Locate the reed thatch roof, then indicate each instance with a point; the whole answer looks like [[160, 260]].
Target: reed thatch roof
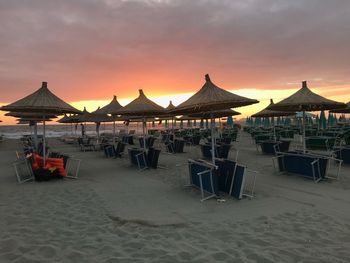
[[306, 100], [30, 115], [42, 100], [211, 98], [35, 119], [69, 119], [170, 106], [344, 110], [216, 114], [141, 106], [272, 113], [186, 118], [111, 108], [94, 117]]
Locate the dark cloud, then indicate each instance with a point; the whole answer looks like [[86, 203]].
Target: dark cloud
[[82, 46]]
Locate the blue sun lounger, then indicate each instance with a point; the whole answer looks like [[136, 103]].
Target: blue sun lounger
[[308, 165], [225, 176]]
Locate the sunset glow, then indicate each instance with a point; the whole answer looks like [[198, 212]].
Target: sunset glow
[[90, 51]]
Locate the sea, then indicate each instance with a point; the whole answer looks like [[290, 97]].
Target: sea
[[58, 130]]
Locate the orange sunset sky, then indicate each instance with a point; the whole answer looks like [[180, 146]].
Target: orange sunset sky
[[90, 50]]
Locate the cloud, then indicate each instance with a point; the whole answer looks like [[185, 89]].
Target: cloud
[[90, 49]]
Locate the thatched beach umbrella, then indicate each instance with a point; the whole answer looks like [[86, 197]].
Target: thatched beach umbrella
[[306, 100], [144, 107], [95, 117], [112, 109], [44, 102], [34, 117], [71, 119], [169, 117], [211, 98], [272, 113], [344, 110], [216, 114]]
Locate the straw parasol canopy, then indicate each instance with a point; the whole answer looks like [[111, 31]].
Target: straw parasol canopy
[[42, 100], [94, 117], [216, 114], [69, 119], [170, 106], [344, 110], [187, 118], [141, 106], [112, 108], [34, 119], [271, 113], [29, 115], [211, 98], [306, 100]]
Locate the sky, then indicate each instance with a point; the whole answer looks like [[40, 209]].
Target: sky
[[90, 50]]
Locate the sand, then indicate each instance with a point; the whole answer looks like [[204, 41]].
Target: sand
[[114, 213]]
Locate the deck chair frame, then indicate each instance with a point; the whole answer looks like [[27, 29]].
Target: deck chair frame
[[209, 171], [23, 170]]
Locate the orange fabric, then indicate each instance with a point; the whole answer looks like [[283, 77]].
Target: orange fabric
[[50, 163], [35, 166], [57, 163]]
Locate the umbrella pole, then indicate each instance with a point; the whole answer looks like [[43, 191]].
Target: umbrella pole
[[98, 131], [113, 132], [44, 142], [172, 126], [274, 128], [36, 135], [143, 132], [212, 138], [304, 142]]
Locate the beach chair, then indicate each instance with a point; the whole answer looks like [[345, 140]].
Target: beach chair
[[86, 146], [149, 142], [235, 179], [343, 153], [23, 170], [71, 165], [153, 157], [202, 176], [308, 165], [138, 157]]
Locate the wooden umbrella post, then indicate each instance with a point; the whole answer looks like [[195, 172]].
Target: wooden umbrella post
[[44, 142], [212, 137]]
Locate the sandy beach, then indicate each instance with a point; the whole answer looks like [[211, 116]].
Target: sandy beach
[[115, 213]]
